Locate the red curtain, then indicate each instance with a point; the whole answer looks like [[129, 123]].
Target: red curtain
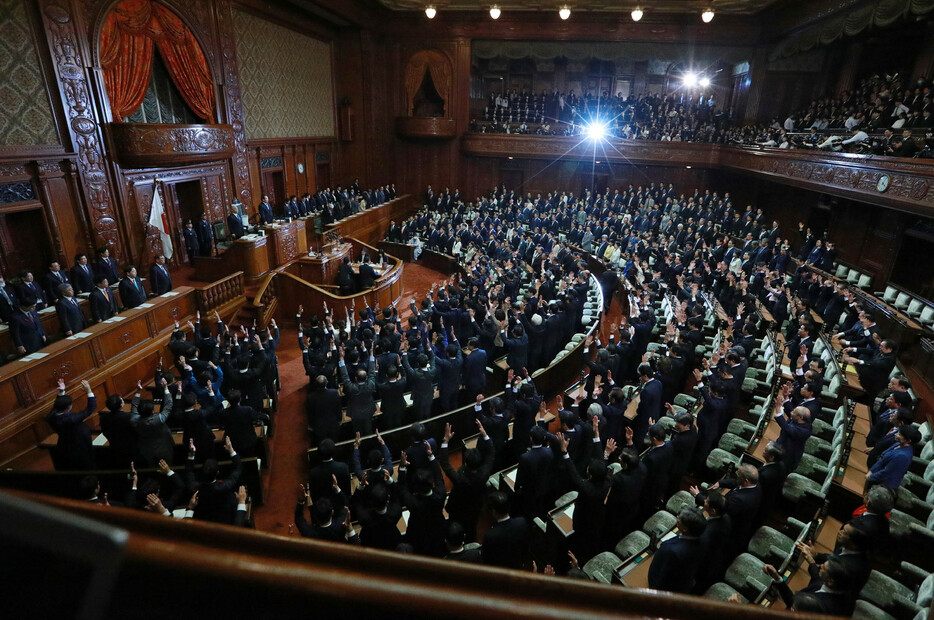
[[126, 58]]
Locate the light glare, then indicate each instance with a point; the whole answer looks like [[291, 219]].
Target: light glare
[[707, 16], [704, 82], [689, 79], [564, 13], [636, 14], [495, 12], [430, 12], [595, 131]]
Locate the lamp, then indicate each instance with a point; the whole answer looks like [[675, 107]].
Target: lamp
[[495, 12], [704, 82], [430, 12], [564, 12], [636, 14], [707, 16]]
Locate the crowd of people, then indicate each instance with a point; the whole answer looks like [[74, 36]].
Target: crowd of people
[[331, 205], [654, 245], [884, 115], [219, 378], [677, 118], [521, 295], [100, 283]]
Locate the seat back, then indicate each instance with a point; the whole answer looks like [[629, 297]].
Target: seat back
[[902, 300]]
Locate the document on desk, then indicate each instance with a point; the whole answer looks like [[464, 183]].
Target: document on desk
[[115, 319], [169, 294], [100, 440], [144, 306]]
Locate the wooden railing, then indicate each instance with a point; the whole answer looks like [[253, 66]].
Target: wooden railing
[[219, 294], [285, 576]]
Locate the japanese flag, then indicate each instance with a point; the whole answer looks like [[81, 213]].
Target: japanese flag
[[158, 220]]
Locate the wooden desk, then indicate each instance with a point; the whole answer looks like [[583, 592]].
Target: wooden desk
[[370, 226], [248, 254], [321, 268], [402, 251], [50, 323], [286, 241]]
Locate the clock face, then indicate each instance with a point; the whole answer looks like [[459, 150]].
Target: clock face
[[301, 168], [883, 183]]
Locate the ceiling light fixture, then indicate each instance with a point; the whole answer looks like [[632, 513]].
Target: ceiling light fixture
[[636, 14], [689, 79], [704, 82], [564, 12], [707, 16], [430, 12], [495, 12]]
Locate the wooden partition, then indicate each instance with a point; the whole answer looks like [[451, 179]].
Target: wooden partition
[[288, 576]]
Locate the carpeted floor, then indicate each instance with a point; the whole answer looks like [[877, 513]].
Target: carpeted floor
[[288, 467]]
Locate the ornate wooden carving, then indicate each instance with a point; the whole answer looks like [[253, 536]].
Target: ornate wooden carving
[[228, 52], [144, 145], [70, 68], [427, 128]]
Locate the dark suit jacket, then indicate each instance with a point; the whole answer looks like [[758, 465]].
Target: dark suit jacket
[[533, 480], [81, 280], [102, 308], [132, 293], [742, 504], [70, 315], [160, 281], [474, 371], [107, 268], [52, 282], [320, 483], [658, 461], [234, 225], [27, 331], [792, 439], [238, 423], [506, 543], [74, 449], [674, 564], [120, 431], [7, 307]]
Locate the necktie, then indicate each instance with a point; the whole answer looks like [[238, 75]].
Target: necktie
[[85, 268], [106, 294], [136, 284], [5, 296]]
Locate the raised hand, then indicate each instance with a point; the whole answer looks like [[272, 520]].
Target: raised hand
[[61, 385], [448, 433]]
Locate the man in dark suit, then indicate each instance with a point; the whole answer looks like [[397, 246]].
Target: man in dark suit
[[160, 280], [873, 372], [457, 552], [70, 314], [772, 476], [216, 499], [506, 542], [234, 224], [468, 484], [118, 427], [829, 592], [29, 288], [715, 541], [132, 293], [321, 478], [345, 277], [360, 393], [683, 443], [265, 211], [421, 378], [742, 504], [590, 505], [379, 520], [392, 398], [474, 369], [533, 475], [106, 266], [55, 277], [7, 301], [103, 304], [74, 450], [239, 422], [424, 497], [367, 274], [82, 276], [650, 404], [675, 563], [26, 328], [323, 410], [794, 434], [192, 244], [658, 460], [205, 235]]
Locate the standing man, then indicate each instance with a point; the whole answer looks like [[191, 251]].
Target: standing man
[[106, 266], [132, 293], [205, 235], [26, 327], [192, 244], [103, 304], [53, 280], [160, 280], [7, 301], [70, 314], [265, 211], [82, 276], [74, 450], [234, 224]]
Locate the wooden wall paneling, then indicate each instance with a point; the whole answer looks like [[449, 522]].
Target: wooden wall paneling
[[71, 61]]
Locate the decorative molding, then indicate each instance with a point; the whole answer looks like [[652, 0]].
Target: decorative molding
[[426, 128], [142, 145], [64, 44], [232, 96], [911, 186]]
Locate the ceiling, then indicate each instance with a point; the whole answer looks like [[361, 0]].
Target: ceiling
[[734, 7]]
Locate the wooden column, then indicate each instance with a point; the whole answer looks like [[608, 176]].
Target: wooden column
[[847, 76], [757, 70]]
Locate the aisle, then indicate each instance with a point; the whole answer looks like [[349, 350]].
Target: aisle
[[288, 466]]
